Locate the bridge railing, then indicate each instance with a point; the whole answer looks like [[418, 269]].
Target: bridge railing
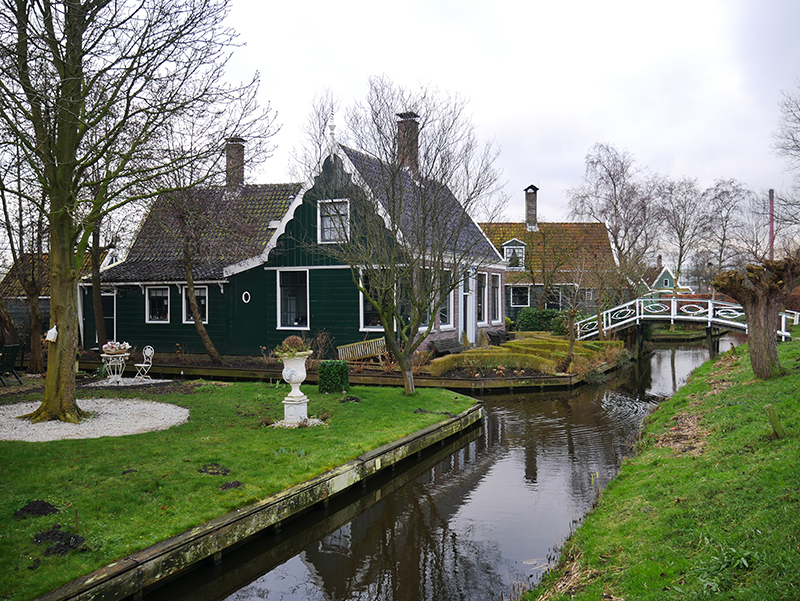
[[710, 312]]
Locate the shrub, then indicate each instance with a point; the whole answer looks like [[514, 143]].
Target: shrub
[[531, 319], [334, 376]]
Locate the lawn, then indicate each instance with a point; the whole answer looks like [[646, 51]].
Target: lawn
[[709, 508], [126, 493]]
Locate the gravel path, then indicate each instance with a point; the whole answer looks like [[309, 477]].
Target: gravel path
[[112, 417]]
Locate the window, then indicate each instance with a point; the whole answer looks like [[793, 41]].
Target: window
[[515, 255], [589, 295], [496, 297], [520, 296], [293, 300], [446, 310], [481, 297], [666, 283], [333, 217], [370, 319], [201, 295], [157, 310]]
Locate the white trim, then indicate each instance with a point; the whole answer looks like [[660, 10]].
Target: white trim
[[278, 325], [485, 299], [497, 303], [185, 304], [147, 305], [450, 304], [309, 267], [345, 215], [262, 258]]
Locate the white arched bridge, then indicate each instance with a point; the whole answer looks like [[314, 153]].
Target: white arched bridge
[[712, 313]]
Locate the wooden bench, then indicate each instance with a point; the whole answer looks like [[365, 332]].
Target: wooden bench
[[447, 346], [362, 350]]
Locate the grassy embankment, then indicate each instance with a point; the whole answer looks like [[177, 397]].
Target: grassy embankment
[[127, 493], [709, 507]]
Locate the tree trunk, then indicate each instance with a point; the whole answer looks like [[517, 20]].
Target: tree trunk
[[36, 366], [216, 359], [58, 402], [10, 334], [97, 293], [762, 290]]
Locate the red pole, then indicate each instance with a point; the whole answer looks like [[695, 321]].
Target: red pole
[[771, 224]]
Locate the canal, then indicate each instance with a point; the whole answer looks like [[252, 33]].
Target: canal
[[473, 519]]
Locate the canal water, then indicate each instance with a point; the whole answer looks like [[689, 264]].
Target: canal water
[[471, 520]]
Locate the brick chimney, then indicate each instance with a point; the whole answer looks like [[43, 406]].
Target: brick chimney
[[234, 163], [530, 208], [408, 141]]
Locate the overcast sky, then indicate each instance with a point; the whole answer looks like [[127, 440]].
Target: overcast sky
[[690, 88]]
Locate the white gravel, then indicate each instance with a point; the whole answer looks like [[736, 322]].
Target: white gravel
[[111, 417]]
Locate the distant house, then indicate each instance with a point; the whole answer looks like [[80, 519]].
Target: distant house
[[14, 295], [550, 264], [281, 282], [661, 279]]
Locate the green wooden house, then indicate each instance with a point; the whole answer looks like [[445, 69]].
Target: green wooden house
[[278, 279]]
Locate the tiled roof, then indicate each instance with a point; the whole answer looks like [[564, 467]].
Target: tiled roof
[[555, 246], [418, 213], [154, 256], [10, 286]]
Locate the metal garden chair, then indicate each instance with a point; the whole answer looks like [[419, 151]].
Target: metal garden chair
[[144, 367]]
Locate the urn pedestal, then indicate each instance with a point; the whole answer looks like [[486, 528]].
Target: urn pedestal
[[295, 404]]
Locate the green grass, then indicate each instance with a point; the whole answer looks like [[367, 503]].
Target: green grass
[[121, 513], [722, 522]]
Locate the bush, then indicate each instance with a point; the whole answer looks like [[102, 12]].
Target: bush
[[531, 319], [334, 376]]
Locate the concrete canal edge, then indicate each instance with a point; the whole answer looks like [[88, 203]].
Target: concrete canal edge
[[132, 574]]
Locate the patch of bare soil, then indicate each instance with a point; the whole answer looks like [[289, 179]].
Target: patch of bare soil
[[686, 436]]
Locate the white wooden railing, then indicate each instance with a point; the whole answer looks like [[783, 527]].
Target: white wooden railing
[[712, 313]]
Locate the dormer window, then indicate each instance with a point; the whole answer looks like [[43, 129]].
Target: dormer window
[[333, 219], [515, 255]]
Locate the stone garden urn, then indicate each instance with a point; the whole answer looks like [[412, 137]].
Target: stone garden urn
[[295, 404]]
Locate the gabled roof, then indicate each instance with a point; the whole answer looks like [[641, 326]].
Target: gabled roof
[[450, 214], [10, 286], [653, 277], [155, 257], [553, 246]]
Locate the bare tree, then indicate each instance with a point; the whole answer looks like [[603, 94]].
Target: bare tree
[[618, 193], [727, 199], [27, 236], [412, 240], [135, 69], [685, 216]]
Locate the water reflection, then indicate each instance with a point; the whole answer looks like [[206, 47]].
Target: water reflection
[[467, 522]]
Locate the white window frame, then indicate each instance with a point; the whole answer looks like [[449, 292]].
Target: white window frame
[[482, 298], [185, 304], [588, 295], [307, 326], [449, 303], [361, 301], [512, 296], [346, 216], [666, 283], [509, 250], [495, 294], [147, 304]]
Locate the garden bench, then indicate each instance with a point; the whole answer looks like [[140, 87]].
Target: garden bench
[[447, 346], [362, 350]]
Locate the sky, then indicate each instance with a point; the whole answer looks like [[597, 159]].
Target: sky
[[689, 88]]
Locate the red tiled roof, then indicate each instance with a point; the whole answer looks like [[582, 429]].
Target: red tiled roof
[[555, 247]]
